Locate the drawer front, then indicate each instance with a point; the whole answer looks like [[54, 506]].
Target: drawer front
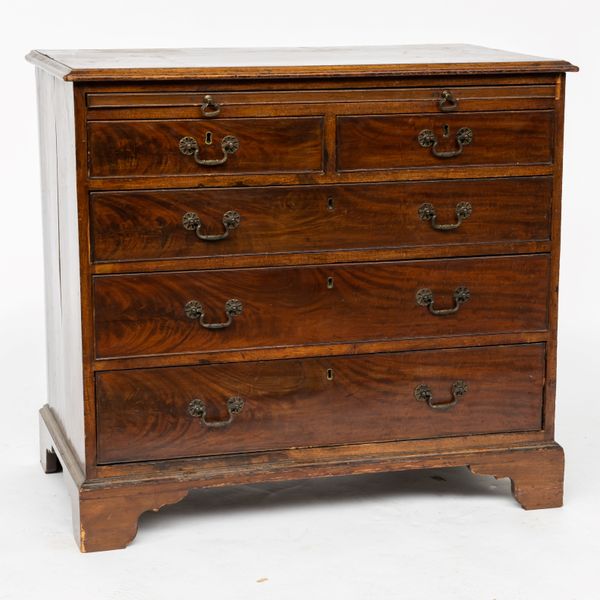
[[155, 414], [456, 139], [155, 148], [216, 104], [153, 314], [175, 224]]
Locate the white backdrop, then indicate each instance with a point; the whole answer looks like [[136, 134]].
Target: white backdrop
[[396, 535]]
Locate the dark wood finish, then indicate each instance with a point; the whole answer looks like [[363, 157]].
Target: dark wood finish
[[188, 105], [143, 414], [208, 357], [148, 225], [536, 482], [550, 391], [391, 142], [220, 261], [144, 314], [215, 179], [130, 148], [429, 97], [105, 516], [123, 356], [110, 522], [295, 86]]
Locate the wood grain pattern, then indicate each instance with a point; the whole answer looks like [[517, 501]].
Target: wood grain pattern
[[105, 511], [144, 314], [365, 82], [148, 225], [536, 482], [187, 105], [121, 269], [111, 522], [131, 148], [391, 142], [142, 415], [551, 364], [476, 96], [208, 357], [194, 263], [155, 182], [211, 63]]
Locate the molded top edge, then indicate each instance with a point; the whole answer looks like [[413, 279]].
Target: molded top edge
[[215, 63]]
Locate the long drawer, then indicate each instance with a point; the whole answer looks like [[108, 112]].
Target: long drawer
[[240, 221], [233, 309], [154, 414]]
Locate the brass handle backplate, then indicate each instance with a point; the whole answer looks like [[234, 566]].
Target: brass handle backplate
[[423, 393], [427, 139], [447, 101], [427, 212], [197, 409], [195, 311], [231, 220], [208, 104], [190, 147], [425, 298]]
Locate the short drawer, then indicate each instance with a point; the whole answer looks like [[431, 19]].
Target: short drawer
[[242, 221], [233, 309], [156, 414], [455, 139], [196, 147]]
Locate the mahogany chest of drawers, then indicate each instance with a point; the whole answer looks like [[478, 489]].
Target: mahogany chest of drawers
[[268, 265]]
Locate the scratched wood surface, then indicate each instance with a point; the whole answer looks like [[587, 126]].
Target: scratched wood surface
[[143, 414], [144, 314], [327, 259], [149, 225], [209, 63]]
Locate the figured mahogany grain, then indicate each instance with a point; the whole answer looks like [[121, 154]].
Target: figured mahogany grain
[[113, 133], [391, 142], [144, 314], [143, 414], [270, 145], [106, 511], [148, 225]]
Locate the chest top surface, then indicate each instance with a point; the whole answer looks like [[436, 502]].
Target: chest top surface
[[212, 63]]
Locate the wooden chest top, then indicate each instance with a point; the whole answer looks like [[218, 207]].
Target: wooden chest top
[[214, 63]]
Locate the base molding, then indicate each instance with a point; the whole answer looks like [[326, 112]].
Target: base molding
[[106, 511]]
